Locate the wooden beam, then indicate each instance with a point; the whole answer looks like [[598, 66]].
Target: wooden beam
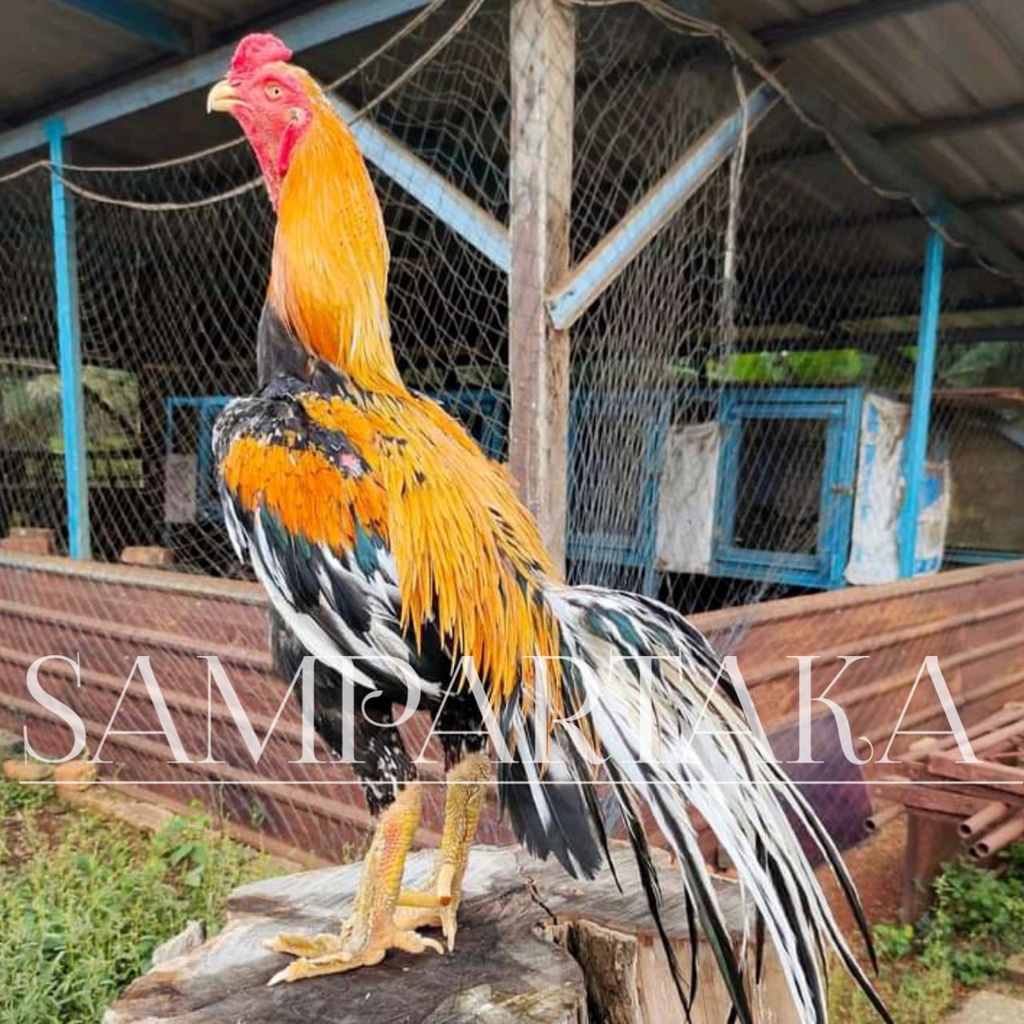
[[839, 19], [543, 63], [574, 295]]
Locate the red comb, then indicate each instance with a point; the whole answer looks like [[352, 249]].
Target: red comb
[[256, 50]]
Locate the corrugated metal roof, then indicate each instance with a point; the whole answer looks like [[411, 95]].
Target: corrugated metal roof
[[51, 52], [952, 58], [48, 50]]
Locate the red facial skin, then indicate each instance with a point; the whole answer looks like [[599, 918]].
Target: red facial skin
[[273, 107]]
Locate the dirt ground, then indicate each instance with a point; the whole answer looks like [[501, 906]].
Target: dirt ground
[[877, 869]]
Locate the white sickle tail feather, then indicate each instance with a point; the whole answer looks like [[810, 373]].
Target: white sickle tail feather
[[650, 699]]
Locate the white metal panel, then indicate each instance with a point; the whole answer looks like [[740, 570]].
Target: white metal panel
[[874, 550], [874, 545], [686, 509]]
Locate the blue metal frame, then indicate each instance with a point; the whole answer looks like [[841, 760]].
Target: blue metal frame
[[168, 33], [639, 549], [840, 408], [456, 210], [636, 550], [979, 556], [208, 407], [76, 470], [916, 446]]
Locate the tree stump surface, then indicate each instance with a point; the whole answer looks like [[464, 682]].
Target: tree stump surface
[[534, 947]]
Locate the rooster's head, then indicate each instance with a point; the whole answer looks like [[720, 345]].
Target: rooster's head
[[273, 101]]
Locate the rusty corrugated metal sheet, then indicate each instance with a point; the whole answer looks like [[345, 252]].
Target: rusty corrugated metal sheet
[[946, 59], [972, 619]]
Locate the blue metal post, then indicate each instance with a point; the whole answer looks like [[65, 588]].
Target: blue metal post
[[916, 446], [69, 342]]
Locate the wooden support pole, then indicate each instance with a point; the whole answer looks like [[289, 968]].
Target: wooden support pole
[[543, 68], [931, 841]]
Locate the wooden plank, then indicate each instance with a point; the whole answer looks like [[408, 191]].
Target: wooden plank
[[543, 82], [933, 799], [987, 774]]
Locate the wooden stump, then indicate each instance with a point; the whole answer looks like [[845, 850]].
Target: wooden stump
[[533, 946]]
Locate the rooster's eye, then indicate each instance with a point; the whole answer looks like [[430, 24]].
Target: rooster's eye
[[274, 92]]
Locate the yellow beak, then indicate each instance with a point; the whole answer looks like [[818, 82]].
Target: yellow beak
[[223, 97]]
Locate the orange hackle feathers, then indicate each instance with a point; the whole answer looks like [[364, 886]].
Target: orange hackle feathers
[[329, 272], [467, 554]]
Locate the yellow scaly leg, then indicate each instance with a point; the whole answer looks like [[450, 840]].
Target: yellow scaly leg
[[373, 928], [439, 906]]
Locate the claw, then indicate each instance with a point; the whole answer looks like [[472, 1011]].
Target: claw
[[412, 942]]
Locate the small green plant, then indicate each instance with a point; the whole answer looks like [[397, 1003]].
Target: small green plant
[[978, 917], [84, 901], [893, 941], [976, 921], [16, 798]]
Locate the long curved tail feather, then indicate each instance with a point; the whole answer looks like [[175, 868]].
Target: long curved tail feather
[[644, 694]]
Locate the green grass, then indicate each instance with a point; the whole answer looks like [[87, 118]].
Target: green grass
[[976, 922], [85, 901]]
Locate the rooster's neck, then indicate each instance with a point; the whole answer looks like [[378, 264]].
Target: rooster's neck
[[328, 277]]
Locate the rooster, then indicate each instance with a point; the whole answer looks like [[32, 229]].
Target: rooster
[[383, 535]]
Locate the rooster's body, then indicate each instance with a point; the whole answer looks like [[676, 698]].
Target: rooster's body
[[385, 537]]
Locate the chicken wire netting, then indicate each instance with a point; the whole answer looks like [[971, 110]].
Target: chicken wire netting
[[720, 396]]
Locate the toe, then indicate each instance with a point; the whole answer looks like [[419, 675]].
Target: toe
[[297, 944], [413, 942], [414, 918], [417, 898]]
